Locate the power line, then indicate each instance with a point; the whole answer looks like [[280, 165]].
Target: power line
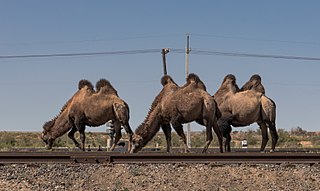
[[220, 53], [237, 54], [81, 54], [255, 39], [101, 40], [148, 51]]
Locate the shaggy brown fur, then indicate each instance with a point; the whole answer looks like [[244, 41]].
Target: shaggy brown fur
[[254, 83], [176, 106], [83, 83], [244, 108], [195, 81], [97, 108], [108, 88]]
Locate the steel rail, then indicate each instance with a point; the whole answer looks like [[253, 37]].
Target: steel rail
[[158, 157]]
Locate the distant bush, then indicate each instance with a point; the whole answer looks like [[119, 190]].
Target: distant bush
[[287, 139]]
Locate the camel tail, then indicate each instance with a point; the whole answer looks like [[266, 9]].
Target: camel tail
[[269, 109]]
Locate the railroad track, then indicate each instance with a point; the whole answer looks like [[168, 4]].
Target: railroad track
[[101, 157]]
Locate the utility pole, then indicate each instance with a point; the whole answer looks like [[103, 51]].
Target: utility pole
[[187, 73], [164, 52]]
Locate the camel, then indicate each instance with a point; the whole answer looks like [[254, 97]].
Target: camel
[[60, 124], [116, 110], [177, 105], [242, 108], [254, 83], [97, 108]]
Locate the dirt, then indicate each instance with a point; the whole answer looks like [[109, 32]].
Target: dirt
[[97, 177]]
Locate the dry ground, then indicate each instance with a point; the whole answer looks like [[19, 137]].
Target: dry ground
[[185, 177]]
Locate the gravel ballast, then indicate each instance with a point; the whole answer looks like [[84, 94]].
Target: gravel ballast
[[99, 177]]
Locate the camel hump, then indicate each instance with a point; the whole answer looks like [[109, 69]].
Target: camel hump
[[254, 83], [82, 83], [102, 83], [268, 108], [122, 111], [256, 77], [106, 86], [229, 77], [195, 78], [166, 79]]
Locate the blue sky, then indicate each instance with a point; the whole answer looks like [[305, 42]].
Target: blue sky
[[33, 90]]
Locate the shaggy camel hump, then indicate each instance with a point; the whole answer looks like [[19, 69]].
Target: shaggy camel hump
[[104, 86], [194, 79], [254, 83], [82, 83], [228, 85]]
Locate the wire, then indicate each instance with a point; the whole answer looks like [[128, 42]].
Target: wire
[[82, 54], [255, 39], [205, 52], [147, 51]]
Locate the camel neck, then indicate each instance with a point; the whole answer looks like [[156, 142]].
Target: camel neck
[[150, 126]]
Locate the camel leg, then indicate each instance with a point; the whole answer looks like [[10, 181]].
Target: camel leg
[[219, 135], [127, 128], [71, 136], [166, 128], [117, 128], [178, 127], [81, 128], [274, 136], [209, 138], [225, 128], [265, 138], [82, 136], [227, 143]]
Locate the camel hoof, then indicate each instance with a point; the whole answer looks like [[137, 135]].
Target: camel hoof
[[48, 147], [204, 150]]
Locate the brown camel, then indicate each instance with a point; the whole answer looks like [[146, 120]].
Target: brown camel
[[244, 108], [177, 105], [97, 108], [254, 83], [60, 125]]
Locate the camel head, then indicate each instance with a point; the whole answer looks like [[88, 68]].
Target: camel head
[[137, 143], [46, 135]]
